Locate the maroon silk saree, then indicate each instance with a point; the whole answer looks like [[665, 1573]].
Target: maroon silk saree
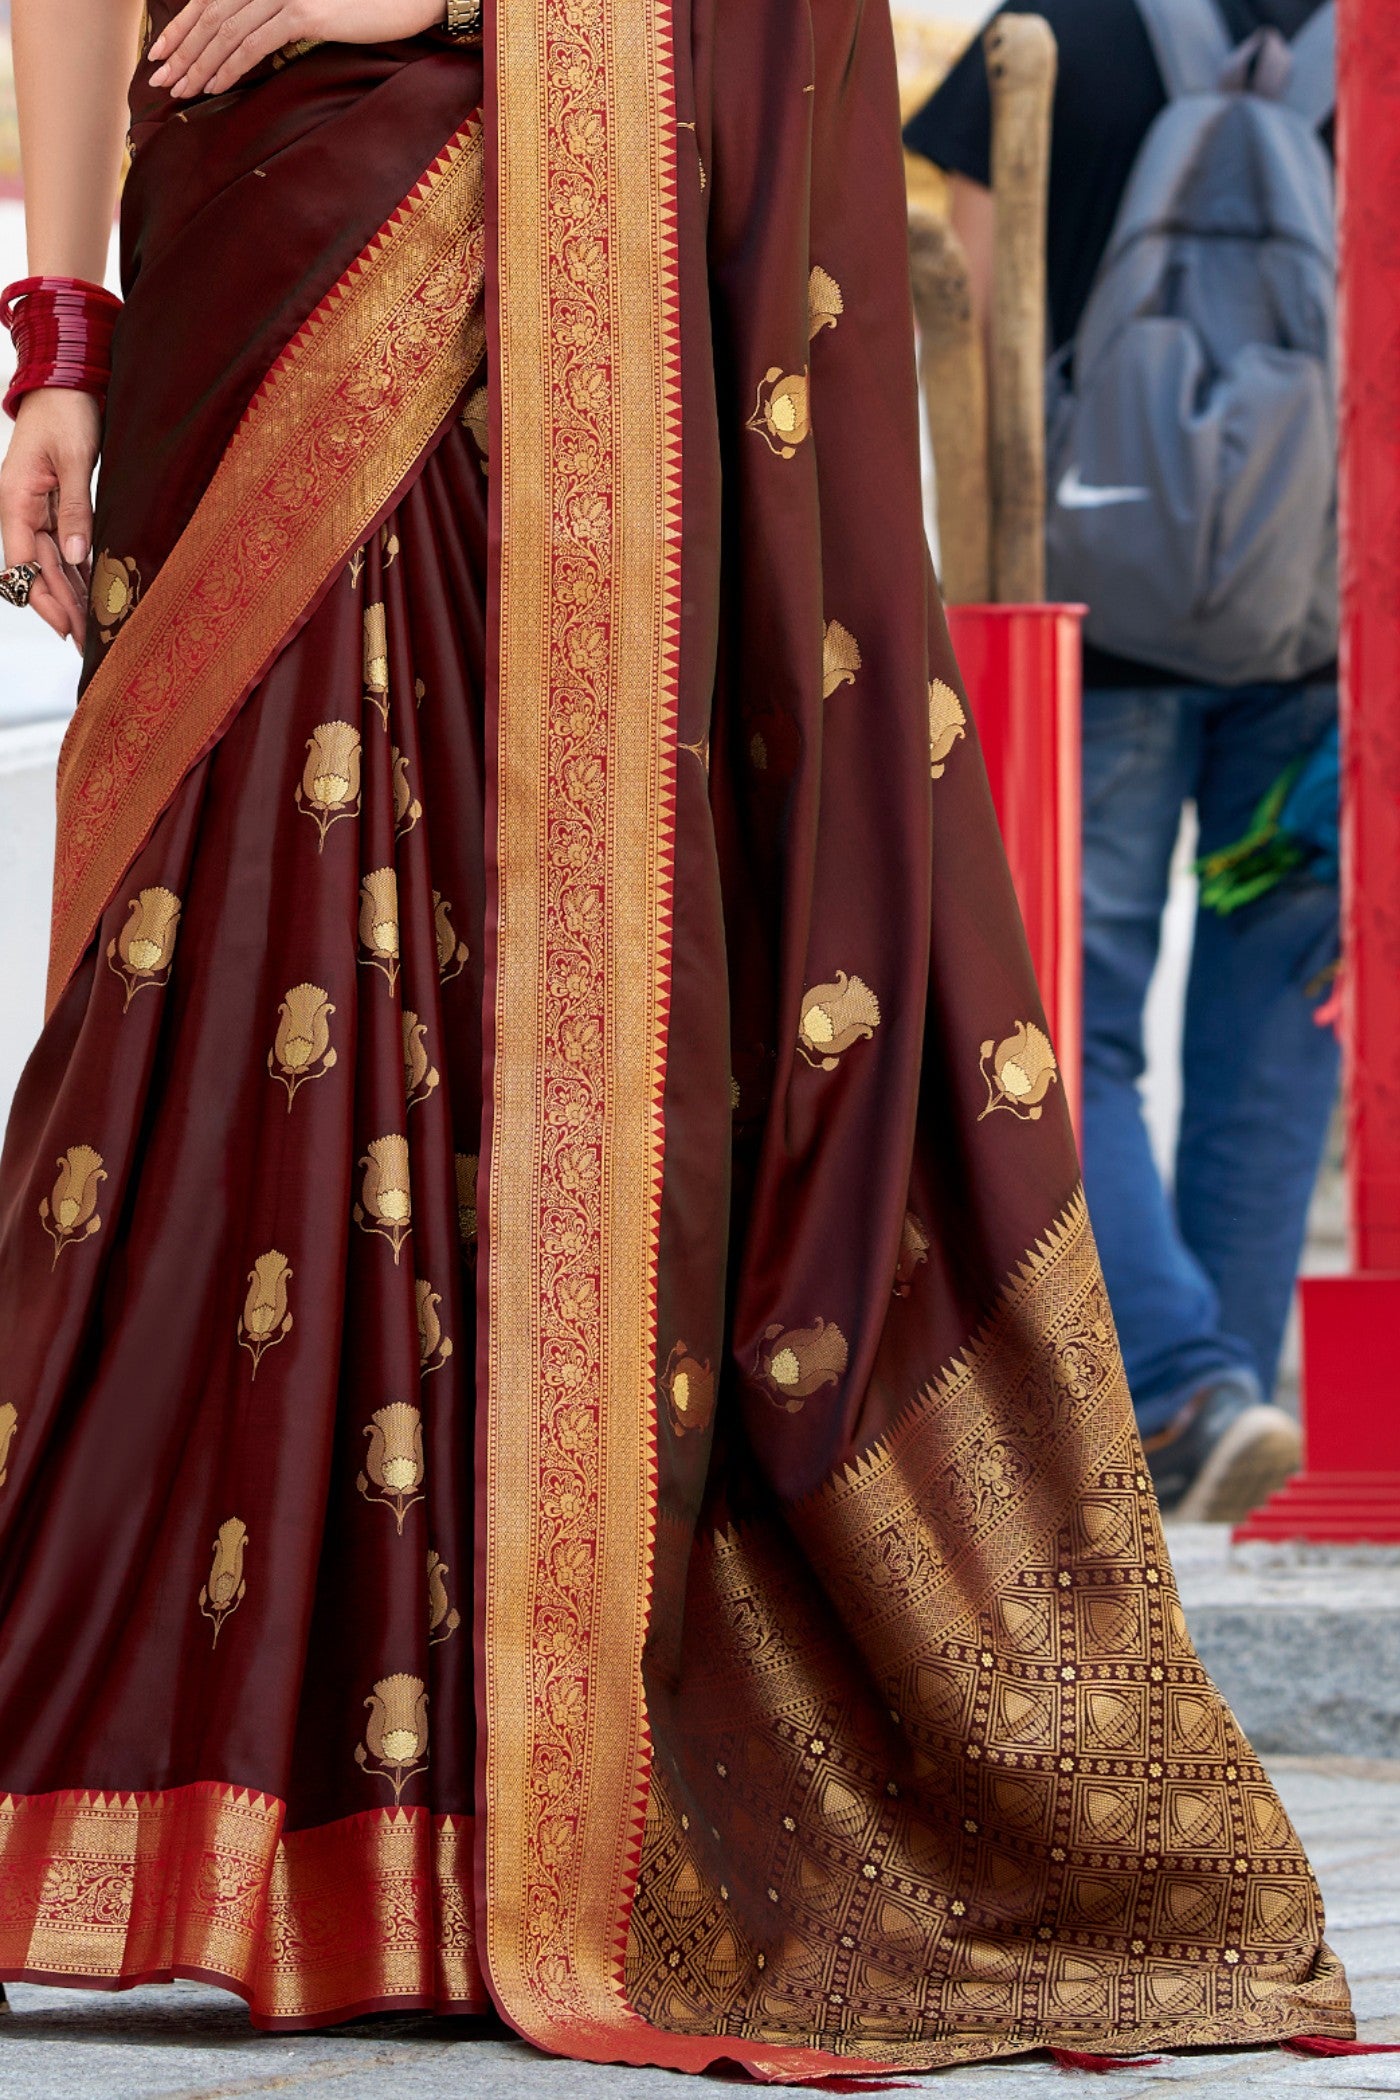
[[561, 1440]]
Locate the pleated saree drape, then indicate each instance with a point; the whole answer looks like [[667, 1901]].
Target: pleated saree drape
[[563, 1441]]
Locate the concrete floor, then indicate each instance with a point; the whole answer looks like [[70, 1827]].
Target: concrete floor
[[185, 2042]]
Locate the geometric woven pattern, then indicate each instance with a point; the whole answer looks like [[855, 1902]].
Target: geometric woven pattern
[[1031, 1818]]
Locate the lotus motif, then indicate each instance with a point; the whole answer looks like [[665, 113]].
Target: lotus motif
[[70, 1212], [1019, 1072], [144, 950], [396, 1735]]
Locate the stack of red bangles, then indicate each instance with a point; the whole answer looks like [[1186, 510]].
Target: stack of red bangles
[[62, 329]]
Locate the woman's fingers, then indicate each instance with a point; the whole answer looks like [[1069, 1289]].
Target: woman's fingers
[[173, 36], [74, 509], [213, 38], [22, 512], [55, 595], [259, 43], [46, 497]]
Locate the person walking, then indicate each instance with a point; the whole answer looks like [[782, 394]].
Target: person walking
[[1215, 690]]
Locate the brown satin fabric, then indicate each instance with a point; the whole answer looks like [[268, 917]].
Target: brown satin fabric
[[938, 1774], [929, 1736], [238, 215]]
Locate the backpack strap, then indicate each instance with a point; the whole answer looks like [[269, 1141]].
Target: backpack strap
[[1190, 42], [1312, 85]]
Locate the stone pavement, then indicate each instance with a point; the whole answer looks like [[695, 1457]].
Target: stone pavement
[[1303, 1641], [185, 2042]]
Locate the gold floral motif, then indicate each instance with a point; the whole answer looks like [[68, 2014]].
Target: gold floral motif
[[840, 657], [782, 417], [144, 951], [379, 922], [1019, 1072], [225, 1590], [70, 1213], [329, 787], [9, 1423], [825, 305], [419, 1076], [313, 461], [396, 1735], [834, 1016], [357, 566], [476, 417], [420, 692], [689, 1389], [947, 721], [114, 591], [265, 1320], [407, 808], [451, 953], [913, 1253], [443, 1616], [386, 1203], [394, 1465], [297, 48], [377, 661], [466, 1198], [388, 545], [301, 1048], [795, 1362], [434, 1347]]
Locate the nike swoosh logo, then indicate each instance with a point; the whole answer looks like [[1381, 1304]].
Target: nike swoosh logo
[[1074, 494]]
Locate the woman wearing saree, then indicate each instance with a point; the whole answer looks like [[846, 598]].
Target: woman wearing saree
[[564, 1447]]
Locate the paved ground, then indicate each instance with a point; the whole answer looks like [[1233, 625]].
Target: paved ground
[[1303, 1641], [188, 2043]]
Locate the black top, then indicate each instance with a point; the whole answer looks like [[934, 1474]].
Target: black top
[[1108, 93]]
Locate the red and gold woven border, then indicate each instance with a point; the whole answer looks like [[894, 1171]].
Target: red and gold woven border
[[119, 1889], [332, 432], [588, 528]]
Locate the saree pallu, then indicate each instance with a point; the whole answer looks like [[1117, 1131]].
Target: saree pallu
[[562, 1440]]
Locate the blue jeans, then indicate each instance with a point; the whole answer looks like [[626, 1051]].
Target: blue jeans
[[1201, 1279]]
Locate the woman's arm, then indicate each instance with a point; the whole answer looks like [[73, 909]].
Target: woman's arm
[[73, 63]]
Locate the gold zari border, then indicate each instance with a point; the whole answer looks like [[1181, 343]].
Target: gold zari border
[[1065, 1842], [202, 1881], [588, 590], [330, 435]]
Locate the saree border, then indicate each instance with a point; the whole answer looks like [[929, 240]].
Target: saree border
[[111, 1890], [587, 543], [331, 434]]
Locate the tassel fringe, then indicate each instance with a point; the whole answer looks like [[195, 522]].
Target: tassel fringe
[[1329, 2045], [1080, 2060], [857, 2085]]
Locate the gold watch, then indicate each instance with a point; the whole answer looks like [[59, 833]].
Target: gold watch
[[463, 19]]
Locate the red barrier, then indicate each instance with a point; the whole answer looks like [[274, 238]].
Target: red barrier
[[1022, 668], [1350, 1486]]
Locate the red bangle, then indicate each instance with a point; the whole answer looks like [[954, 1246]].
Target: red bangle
[[62, 329]]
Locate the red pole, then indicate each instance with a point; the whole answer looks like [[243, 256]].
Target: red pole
[[1350, 1486], [1021, 667]]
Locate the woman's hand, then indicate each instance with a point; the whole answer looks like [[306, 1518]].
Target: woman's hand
[[211, 44], [46, 501]]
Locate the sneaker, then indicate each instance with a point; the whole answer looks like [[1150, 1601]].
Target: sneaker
[[1224, 1453]]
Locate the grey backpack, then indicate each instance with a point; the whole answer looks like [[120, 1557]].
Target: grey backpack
[[1192, 436]]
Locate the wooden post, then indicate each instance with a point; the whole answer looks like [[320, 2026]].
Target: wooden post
[[1350, 1486], [1021, 64], [952, 372]]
